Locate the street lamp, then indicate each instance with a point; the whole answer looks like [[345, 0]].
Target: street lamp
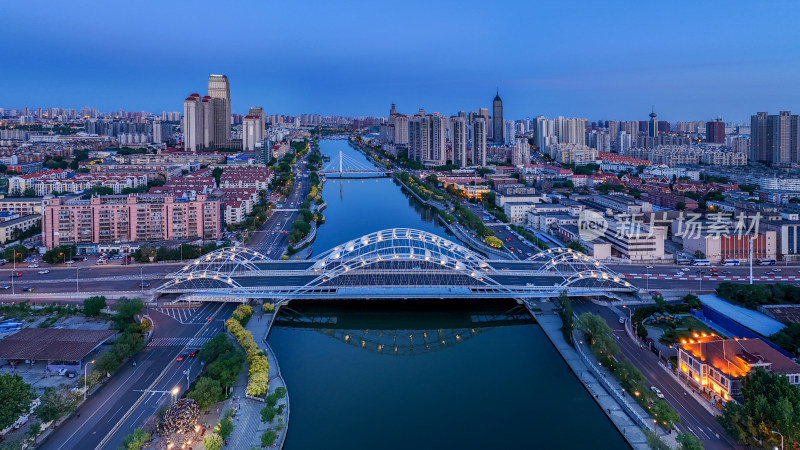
[[174, 393], [775, 432], [186, 372], [84, 377]]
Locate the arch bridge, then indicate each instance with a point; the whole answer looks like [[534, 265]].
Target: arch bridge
[[397, 263]]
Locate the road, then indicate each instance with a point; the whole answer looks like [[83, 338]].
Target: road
[[694, 418], [272, 238], [122, 399]]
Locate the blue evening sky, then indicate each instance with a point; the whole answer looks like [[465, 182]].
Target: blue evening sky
[[609, 59]]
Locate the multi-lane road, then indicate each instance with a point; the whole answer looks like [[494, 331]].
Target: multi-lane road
[[272, 238], [136, 392], [695, 419]]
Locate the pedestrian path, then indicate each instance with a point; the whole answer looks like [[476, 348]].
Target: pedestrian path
[[190, 342], [551, 324], [248, 426]]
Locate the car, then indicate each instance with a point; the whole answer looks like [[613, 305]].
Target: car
[[33, 266], [43, 272], [27, 289], [648, 267], [193, 353], [5, 286], [776, 270], [180, 357], [621, 319], [658, 392], [726, 272], [144, 284], [679, 273], [15, 274]]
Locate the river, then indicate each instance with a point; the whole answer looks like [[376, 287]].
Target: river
[[422, 374]]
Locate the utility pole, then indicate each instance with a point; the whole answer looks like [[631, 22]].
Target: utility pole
[[751, 260]]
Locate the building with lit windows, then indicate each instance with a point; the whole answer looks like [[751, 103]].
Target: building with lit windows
[[716, 366]]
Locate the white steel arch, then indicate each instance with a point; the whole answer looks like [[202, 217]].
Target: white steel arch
[[598, 279], [202, 280], [228, 260], [400, 245], [571, 260]]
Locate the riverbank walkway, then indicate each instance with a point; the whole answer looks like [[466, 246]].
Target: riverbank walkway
[[248, 426], [551, 324]]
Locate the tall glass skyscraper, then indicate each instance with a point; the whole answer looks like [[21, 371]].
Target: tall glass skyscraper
[[497, 119]]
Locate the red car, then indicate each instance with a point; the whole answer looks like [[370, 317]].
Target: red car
[[193, 353], [18, 274], [180, 357]]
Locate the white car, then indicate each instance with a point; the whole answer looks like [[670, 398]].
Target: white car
[[44, 272], [33, 266], [649, 267], [658, 393]]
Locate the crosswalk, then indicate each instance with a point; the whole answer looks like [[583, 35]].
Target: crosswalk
[[187, 315], [190, 342]]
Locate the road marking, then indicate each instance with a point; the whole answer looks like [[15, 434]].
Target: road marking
[[141, 398]]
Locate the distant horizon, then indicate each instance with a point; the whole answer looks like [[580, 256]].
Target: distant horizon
[[610, 61]]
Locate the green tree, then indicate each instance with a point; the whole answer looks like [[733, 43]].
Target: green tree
[[15, 398], [212, 441], [55, 403], [29, 193], [566, 313], [688, 441], [680, 206], [225, 427], [18, 252], [218, 345], [127, 308], [217, 174], [597, 333], [575, 245], [206, 392], [692, 300], [268, 438], [655, 442], [59, 254], [769, 402], [93, 305], [227, 367], [135, 440], [665, 415]]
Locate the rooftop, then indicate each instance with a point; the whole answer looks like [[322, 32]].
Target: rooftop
[[52, 344]]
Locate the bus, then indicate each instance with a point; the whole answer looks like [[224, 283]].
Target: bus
[[731, 262], [765, 262], [701, 262]]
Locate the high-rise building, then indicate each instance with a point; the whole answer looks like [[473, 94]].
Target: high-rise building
[[438, 147], [775, 138], [652, 125], [219, 88], [479, 126], [419, 141], [758, 137], [497, 119], [520, 153], [509, 132], [624, 142], [458, 137], [253, 126], [193, 123], [715, 132], [541, 133]]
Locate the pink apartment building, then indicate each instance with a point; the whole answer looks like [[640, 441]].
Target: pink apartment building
[[132, 218]]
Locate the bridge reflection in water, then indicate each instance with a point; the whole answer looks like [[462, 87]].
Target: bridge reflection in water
[[401, 328]]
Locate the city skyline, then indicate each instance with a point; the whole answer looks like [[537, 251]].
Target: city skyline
[[342, 61]]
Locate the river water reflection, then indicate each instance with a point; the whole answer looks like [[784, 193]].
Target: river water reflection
[[422, 374]]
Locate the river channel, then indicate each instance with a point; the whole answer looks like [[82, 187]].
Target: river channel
[[422, 374]]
